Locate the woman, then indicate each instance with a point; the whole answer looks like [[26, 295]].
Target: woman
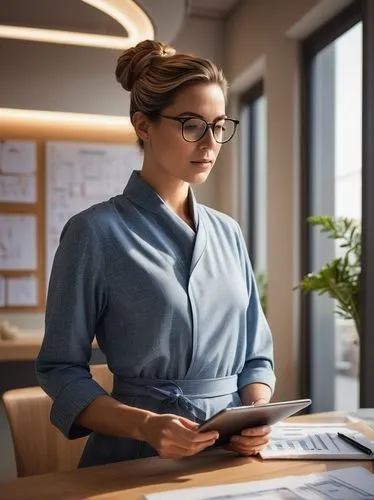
[[164, 282]]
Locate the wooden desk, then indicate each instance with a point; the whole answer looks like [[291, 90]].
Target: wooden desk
[[17, 358], [23, 348], [130, 480]]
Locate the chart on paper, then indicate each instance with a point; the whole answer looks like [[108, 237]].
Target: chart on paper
[[18, 172], [79, 175], [312, 441], [18, 242]]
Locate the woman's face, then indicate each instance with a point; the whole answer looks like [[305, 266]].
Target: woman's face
[[188, 161]]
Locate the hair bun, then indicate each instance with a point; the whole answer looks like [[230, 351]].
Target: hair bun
[[134, 63]]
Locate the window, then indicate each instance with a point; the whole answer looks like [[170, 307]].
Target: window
[[336, 142], [336, 154], [253, 140]]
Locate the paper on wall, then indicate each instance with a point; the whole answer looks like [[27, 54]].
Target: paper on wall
[[22, 291], [18, 242], [18, 188], [17, 157], [79, 175]]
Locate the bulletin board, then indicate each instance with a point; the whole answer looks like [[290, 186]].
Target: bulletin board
[[20, 212], [45, 178]]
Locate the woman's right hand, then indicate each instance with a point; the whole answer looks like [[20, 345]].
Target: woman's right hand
[[173, 436]]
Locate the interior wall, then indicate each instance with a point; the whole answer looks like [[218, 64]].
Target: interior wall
[[258, 44], [67, 78], [204, 36]]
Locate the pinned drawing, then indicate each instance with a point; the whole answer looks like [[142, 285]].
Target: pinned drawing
[[22, 291], [18, 242], [18, 172], [79, 175]]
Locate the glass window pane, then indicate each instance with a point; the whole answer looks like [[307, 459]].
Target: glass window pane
[[254, 183], [336, 148], [259, 187], [253, 157]]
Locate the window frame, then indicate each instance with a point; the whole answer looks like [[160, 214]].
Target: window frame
[[367, 280], [359, 10], [248, 99]]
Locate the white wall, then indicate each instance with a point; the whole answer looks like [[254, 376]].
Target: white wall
[[52, 77], [204, 37]]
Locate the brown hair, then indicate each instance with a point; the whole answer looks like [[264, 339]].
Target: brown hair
[[154, 72]]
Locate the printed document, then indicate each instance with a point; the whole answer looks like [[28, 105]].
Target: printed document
[[355, 483], [313, 441]]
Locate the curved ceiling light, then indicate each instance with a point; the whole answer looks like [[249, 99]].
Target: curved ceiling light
[[126, 12]]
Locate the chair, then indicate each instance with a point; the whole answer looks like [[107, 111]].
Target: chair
[[39, 447]]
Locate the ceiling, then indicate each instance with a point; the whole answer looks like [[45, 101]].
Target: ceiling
[[71, 15], [167, 16], [216, 9]]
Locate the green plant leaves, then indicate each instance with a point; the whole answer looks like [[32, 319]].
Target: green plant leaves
[[262, 290], [340, 278]]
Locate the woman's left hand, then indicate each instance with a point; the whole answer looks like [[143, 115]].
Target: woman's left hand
[[251, 441]]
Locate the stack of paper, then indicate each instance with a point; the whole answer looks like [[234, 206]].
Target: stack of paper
[[353, 483], [313, 441]]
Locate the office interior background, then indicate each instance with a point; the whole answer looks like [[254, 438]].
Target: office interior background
[[301, 77]]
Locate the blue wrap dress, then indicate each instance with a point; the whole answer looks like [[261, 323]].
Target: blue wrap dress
[[175, 311]]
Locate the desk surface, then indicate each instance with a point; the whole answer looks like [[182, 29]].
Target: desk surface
[[23, 348], [130, 480]]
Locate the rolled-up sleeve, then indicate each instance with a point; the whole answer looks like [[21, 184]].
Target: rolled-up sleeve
[[75, 304], [259, 364]]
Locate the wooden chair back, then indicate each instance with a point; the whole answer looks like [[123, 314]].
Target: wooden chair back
[[38, 446]]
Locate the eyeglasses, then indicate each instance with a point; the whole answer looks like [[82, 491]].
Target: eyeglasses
[[194, 129]]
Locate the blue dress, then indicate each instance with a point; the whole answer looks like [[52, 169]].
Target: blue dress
[[176, 313]]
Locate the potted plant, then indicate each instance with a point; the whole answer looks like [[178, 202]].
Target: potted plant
[[340, 278]]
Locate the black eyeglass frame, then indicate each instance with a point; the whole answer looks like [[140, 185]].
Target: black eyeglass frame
[[183, 119]]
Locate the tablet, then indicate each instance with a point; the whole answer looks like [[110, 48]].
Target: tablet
[[231, 421]]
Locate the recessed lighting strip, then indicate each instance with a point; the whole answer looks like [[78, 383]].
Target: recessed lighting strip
[[125, 12]]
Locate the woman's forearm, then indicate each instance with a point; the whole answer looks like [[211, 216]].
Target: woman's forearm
[[106, 415], [255, 393]]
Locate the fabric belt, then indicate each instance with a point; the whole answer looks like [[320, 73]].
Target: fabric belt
[[177, 393]]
